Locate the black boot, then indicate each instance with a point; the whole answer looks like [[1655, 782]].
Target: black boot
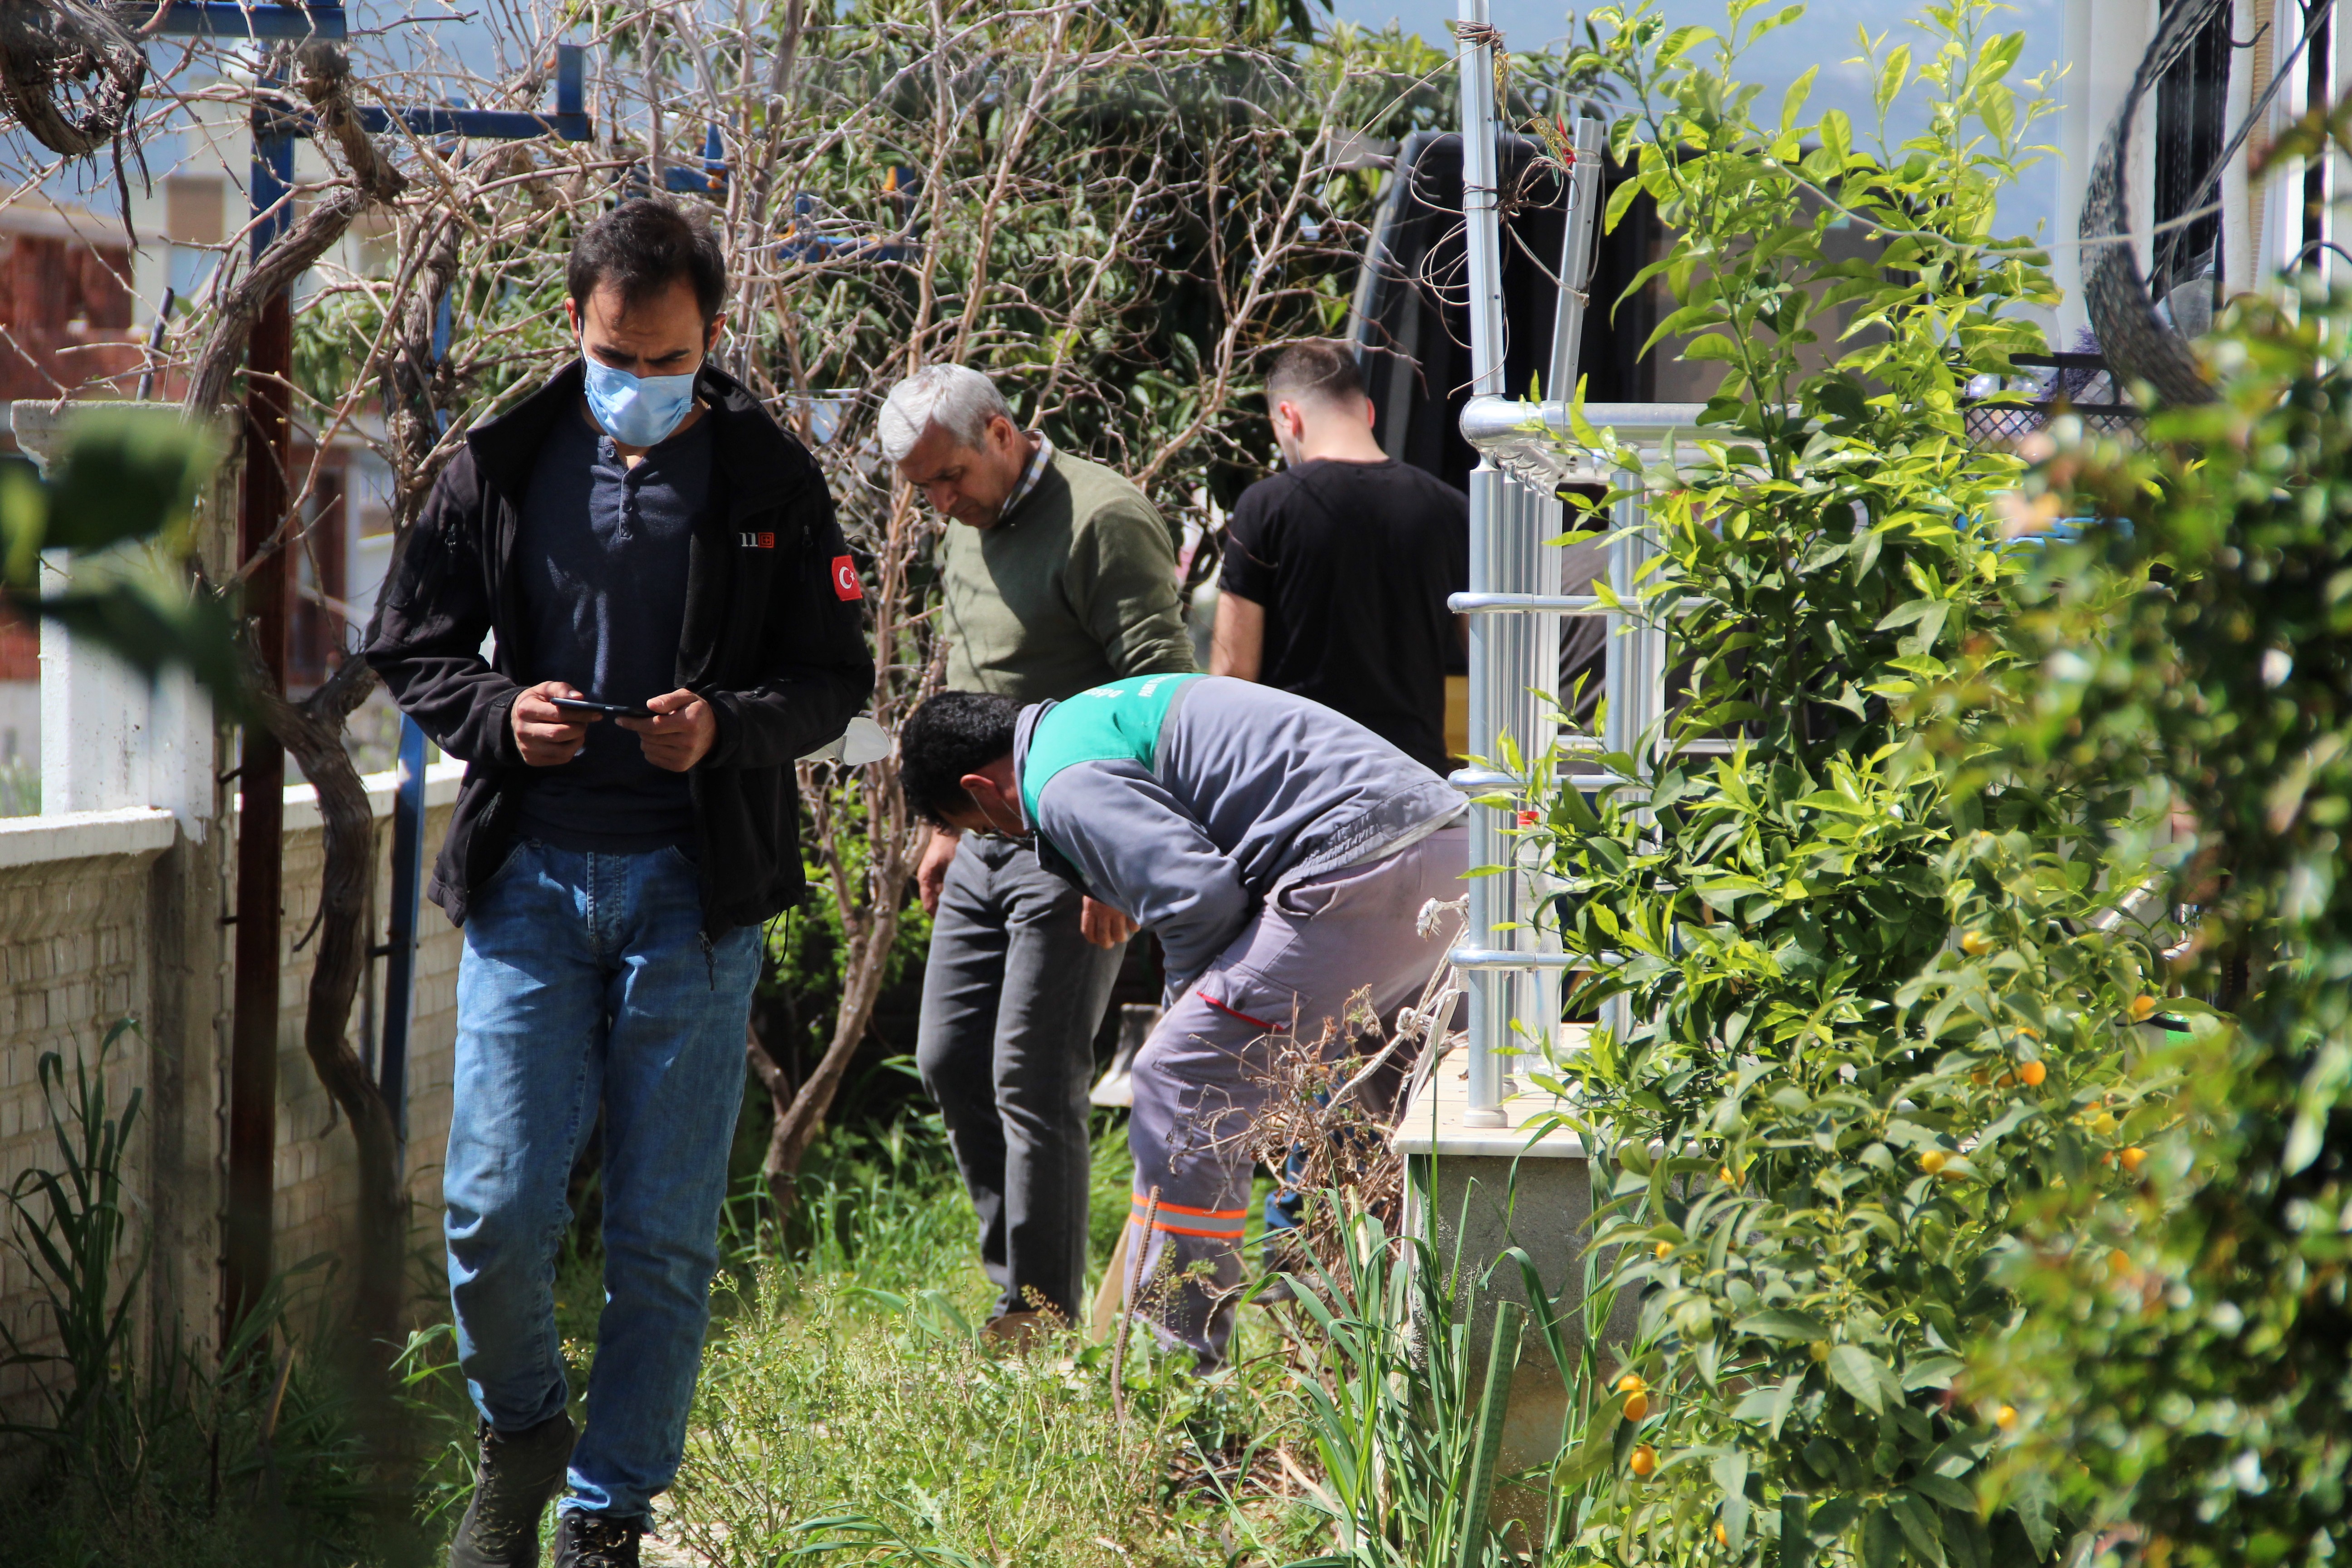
[[596, 1540], [520, 1474]]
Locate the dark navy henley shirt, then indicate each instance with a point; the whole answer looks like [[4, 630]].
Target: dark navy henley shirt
[[602, 557]]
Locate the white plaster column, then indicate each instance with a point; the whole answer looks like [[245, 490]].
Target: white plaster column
[[110, 736], [112, 740]]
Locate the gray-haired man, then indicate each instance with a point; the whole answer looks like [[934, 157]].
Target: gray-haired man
[[1062, 577]]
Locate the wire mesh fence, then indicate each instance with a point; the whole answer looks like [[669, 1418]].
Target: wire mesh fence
[[2005, 410]]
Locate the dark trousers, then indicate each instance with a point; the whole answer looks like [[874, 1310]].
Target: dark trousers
[[1012, 998]]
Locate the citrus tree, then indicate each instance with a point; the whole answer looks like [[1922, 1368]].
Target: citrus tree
[[1833, 1074], [2179, 1362]]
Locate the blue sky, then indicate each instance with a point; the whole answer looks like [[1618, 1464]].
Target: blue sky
[[1826, 36]]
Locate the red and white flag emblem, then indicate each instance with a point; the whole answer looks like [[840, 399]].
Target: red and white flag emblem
[[845, 579]]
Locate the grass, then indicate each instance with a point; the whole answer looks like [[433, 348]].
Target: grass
[[847, 1413]]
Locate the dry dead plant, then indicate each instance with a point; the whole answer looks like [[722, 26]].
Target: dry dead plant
[[1330, 1105]]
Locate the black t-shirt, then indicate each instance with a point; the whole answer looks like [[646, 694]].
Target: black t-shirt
[[1352, 562]]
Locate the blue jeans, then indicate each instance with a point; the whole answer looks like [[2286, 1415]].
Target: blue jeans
[[585, 977]]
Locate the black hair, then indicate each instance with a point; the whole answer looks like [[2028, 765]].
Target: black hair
[[955, 733], [1313, 367], [641, 247]]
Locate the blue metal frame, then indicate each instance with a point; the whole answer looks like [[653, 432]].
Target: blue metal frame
[[218, 19], [710, 179], [400, 947]]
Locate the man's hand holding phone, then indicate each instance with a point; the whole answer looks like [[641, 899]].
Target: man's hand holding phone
[[551, 724], [678, 730], [547, 736]]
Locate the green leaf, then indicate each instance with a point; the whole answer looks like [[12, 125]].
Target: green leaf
[[1711, 346], [1892, 76], [1783, 1323], [1857, 1371], [2029, 1493], [125, 476], [153, 627], [1680, 40], [1621, 202], [1931, 1371], [1837, 135], [1591, 1456], [1907, 614], [1916, 1520], [1944, 1490], [1793, 102], [1882, 1543], [23, 517], [1730, 1471]]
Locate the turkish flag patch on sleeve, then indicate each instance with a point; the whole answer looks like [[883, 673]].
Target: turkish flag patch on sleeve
[[845, 579]]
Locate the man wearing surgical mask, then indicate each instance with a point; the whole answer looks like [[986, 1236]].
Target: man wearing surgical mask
[[640, 537]]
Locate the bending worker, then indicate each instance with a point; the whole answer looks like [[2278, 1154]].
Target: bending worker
[[1282, 854]]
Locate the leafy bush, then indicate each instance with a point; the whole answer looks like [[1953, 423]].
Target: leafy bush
[[2180, 1367], [1820, 1107]]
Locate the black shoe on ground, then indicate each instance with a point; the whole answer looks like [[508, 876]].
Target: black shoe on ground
[[596, 1540], [520, 1474]]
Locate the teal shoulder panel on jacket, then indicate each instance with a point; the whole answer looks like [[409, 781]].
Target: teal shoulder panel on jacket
[[1118, 721]]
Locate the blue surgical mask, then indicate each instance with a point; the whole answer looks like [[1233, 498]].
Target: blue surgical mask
[[638, 410]]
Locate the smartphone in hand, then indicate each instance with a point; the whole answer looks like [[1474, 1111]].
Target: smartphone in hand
[[607, 710]]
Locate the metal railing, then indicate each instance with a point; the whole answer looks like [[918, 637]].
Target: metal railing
[[1516, 605], [1516, 598]]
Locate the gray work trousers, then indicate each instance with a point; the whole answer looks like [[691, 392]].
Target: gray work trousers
[[1012, 998], [1200, 1077]]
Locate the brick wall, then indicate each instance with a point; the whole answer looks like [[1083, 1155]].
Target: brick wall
[[76, 953], [317, 1180], [72, 959]]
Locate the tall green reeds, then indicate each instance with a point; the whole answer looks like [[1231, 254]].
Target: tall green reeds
[[72, 1230], [1407, 1403], [150, 1449]]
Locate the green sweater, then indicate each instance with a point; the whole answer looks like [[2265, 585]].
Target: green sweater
[[1076, 586]]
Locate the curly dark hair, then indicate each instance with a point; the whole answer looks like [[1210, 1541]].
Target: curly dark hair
[[641, 247], [954, 733]]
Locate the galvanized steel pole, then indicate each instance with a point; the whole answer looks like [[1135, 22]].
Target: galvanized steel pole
[[1489, 990]]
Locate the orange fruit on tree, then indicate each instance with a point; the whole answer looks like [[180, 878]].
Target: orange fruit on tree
[[2104, 1123], [1976, 944], [1722, 1536], [2134, 1158], [1645, 1460], [1933, 1160], [1637, 1405], [1725, 1177], [1666, 1248], [2118, 1261], [2031, 1074], [2142, 1006], [1631, 1383], [2006, 1417]]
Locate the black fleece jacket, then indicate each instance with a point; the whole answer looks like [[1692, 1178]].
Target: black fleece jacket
[[773, 641]]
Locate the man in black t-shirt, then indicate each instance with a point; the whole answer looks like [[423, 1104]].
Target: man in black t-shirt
[[1336, 569]]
